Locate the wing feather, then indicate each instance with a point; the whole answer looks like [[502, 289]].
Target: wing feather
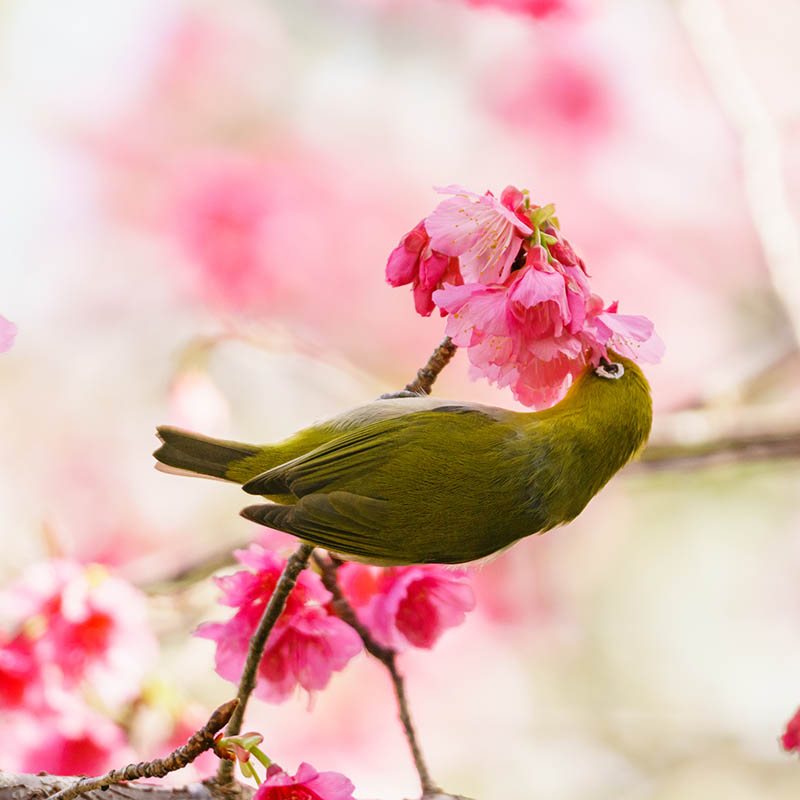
[[339, 521]]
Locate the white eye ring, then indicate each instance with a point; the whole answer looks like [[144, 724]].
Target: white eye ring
[[614, 370]]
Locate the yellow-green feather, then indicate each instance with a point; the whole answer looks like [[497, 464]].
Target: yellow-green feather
[[447, 484]]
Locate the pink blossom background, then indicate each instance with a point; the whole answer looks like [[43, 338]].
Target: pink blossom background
[[199, 202]]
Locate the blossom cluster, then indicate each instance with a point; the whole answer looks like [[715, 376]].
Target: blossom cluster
[[73, 632], [401, 607], [516, 294]]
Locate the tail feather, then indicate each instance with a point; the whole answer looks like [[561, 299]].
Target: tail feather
[[187, 453]]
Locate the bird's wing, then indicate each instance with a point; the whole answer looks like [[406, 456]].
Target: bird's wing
[[347, 503], [346, 455], [352, 453], [343, 522]]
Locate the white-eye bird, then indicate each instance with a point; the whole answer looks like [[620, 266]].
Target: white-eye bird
[[416, 480]]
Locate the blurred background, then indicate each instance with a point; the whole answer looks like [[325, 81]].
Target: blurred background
[[199, 200]]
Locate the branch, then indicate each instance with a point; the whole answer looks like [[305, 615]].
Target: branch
[[15, 786], [277, 602], [439, 359], [200, 742], [761, 147], [388, 658], [711, 437]]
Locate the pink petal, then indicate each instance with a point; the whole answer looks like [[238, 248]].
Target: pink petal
[[305, 773], [8, 330], [484, 235], [473, 306], [534, 286], [633, 337], [331, 786], [401, 266], [512, 198], [423, 300], [432, 269], [496, 204]]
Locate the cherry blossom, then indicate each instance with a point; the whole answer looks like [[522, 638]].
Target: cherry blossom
[[414, 261], [85, 623], [306, 784], [483, 232], [20, 674], [791, 736], [307, 643], [219, 213], [407, 606], [519, 300], [538, 9], [63, 736]]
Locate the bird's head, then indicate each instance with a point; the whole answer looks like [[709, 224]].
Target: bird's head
[[613, 397]]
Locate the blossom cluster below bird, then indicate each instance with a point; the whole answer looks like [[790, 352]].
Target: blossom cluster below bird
[[516, 294], [401, 607]]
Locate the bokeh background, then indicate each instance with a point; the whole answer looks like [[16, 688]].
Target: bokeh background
[[198, 202]]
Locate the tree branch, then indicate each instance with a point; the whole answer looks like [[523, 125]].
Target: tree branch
[[439, 359], [200, 742], [710, 437], [762, 157], [277, 602], [388, 657]]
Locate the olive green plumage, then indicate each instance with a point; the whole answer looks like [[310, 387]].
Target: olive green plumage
[[419, 480]]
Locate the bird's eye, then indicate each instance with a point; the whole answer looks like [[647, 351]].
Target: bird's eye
[[610, 370]]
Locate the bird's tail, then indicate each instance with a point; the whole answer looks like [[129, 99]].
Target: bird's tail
[[187, 453]]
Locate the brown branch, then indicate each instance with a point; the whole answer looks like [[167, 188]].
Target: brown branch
[[710, 437], [762, 150], [719, 452], [277, 602], [388, 657], [14, 786], [200, 742], [439, 359]]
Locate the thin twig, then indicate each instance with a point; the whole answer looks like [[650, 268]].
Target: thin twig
[[761, 147], [439, 359], [200, 742], [388, 658], [277, 602]]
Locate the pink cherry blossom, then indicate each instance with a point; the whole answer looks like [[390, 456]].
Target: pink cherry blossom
[[538, 9], [63, 736], [631, 336], [522, 334], [791, 735], [567, 96], [413, 261], [8, 330], [220, 208], [89, 625], [306, 784], [483, 232], [306, 645], [523, 307], [405, 606], [20, 674], [537, 332]]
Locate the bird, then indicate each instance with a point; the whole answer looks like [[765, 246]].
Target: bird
[[420, 480]]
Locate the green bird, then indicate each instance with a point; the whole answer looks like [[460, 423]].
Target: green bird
[[416, 480]]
